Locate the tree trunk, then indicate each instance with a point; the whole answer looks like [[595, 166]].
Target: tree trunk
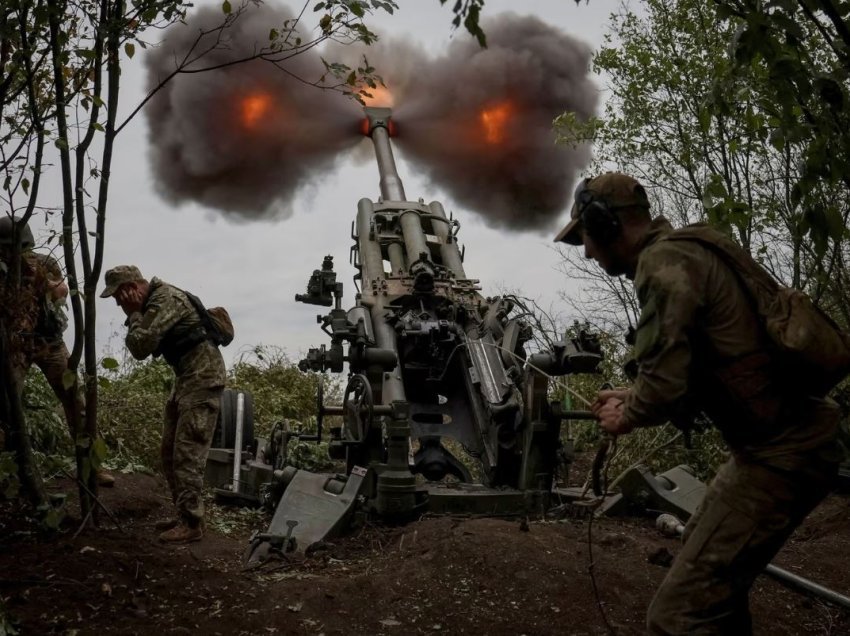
[[17, 436]]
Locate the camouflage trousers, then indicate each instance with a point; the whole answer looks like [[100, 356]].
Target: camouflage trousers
[[748, 513], [186, 438], [51, 357]]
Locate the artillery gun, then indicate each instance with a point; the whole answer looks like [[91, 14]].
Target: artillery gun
[[433, 366]]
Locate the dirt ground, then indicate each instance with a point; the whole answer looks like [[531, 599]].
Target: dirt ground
[[437, 575]]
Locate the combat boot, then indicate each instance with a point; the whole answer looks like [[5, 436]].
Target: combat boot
[[104, 478], [183, 533], [166, 524]]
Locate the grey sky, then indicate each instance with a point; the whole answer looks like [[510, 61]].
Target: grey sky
[[255, 268]]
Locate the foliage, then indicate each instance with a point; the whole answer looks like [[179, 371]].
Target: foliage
[[309, 456], [9, 483], [279, 389], [662, 447], [45, 420], [801, 47], [131, 412], [469, 13], [283, 393], [730, 110], [60, 81], [7, 621], [134, 394], [230, 520], [685, 120]]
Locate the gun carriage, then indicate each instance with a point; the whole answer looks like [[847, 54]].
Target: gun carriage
[[434, 368]]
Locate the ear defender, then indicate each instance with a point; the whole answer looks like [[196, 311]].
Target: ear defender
[[598, 219]]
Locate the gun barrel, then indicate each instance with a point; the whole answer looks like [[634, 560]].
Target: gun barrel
[[379, 130]]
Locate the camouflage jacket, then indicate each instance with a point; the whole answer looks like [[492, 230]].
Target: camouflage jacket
[[52, 320], [41, 317], [166, 317], [699, 346]]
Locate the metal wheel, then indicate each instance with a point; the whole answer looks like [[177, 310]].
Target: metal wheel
[[358, 404]]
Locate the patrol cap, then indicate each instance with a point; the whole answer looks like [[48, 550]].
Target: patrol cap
[[119, 275], [615, 189]]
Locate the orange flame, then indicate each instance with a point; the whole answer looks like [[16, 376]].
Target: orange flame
[[254, 107], [378, 96], [494, 121]]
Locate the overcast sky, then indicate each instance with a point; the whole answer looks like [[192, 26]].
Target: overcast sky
[[255, 268]]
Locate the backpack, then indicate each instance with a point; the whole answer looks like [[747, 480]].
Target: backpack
[[814, 346], [215, 320]]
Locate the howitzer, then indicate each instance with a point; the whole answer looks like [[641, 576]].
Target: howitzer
[[434, 368]]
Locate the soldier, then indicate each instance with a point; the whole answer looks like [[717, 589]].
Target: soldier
[[700, 346], [162, 321], [42, 343]]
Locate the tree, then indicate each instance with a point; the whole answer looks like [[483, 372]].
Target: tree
[[684, 119], [802, 47], [60, 81]]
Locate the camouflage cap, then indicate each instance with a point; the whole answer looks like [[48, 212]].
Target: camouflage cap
[[119, 275], [616, 189]]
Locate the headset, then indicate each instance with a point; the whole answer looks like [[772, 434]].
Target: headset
[[598, 219]]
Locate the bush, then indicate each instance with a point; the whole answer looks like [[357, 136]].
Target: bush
[[130, 414], [654, 447], [280, 390]]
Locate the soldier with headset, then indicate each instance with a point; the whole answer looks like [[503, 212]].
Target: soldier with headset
[[701, 346]]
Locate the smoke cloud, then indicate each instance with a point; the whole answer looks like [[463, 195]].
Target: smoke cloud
[[241, 138], [480, 122], [477, 122]]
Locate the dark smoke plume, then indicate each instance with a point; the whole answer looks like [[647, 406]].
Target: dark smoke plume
[[242, 138], [477, 121]]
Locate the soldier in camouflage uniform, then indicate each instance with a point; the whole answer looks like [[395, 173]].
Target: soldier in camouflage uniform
[[162, 321], [42, 342], [700, 346]]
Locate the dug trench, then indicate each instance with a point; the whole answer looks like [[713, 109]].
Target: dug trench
[[437, 575]]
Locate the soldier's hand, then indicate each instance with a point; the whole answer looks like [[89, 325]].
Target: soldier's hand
[[603, 396], [610, 414], [130, 299]]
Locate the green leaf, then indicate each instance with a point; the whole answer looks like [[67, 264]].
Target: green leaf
[[99, 452], [25, 184], [61, 143], [714, 192], [226, 8], [109, 363], [52, 519], [835, 224], [130, 49], [69, 379], [777, 138]]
